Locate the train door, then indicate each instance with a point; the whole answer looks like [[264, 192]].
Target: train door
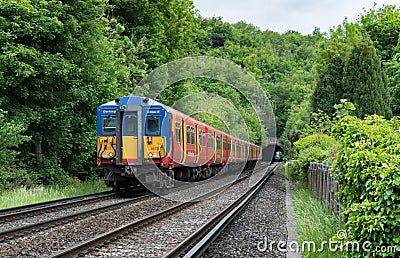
[[177, 142], [190, 145], [129, 132], [214, 147], [196, 143], [183, 141]]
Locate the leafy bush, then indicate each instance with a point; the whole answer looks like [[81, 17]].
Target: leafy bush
[[315, 148], [294, 171], [367, 170], [11, 137], [53, 174], [15, 176]]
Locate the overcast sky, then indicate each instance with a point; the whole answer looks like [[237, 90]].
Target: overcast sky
[[283, 15]]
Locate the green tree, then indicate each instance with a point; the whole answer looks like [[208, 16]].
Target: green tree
[[393, 71], [11, 136], [167, 29], [329, 89], [383, 26], [364, 80], [59, 62]]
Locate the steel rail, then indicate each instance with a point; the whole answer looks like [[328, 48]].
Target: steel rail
[[125, 229], [22, 211], [101, 239], [16, 232], [198, 242]]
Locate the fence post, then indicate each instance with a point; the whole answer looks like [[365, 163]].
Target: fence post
[[309, 176], [322, 183], [327, 180]]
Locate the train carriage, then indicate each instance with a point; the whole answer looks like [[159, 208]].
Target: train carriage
[[134, 133]]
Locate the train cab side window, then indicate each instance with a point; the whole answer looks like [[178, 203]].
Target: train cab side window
[[153, 125], [178, 131], [109, 125]]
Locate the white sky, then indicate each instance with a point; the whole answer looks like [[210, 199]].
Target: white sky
[[283, 15]]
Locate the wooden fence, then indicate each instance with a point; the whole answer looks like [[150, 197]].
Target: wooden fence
[[323, 185]]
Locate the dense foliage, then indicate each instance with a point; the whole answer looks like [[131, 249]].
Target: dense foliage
[[61, 59], [10, 138], [316, 147], [367, 170], [365, 82]]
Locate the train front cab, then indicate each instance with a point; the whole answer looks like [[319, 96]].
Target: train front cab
[[131, 138], [145, 142]]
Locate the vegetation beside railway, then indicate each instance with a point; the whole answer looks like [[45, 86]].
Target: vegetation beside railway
[[366, 167], [30, 195], [61, 59], [315, 221]]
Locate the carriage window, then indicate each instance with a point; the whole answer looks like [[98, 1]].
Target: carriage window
[[193, 139], [224, 143], [202, 138], [153, 125], [178, 131], [130, 125], [188, 134], [218, 143], [210, 141], [109, 124]]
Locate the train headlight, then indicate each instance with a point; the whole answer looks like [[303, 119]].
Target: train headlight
[[150, 154], [110, 154], [155, 154]]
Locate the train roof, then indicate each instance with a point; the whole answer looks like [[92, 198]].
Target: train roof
[[143, 101], [134, 100]]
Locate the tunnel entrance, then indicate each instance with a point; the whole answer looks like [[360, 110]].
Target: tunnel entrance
[[273, 151]]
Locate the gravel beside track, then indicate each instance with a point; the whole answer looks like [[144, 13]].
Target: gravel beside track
[[157, 239], [260, 223], [265, 218], [45, 242]]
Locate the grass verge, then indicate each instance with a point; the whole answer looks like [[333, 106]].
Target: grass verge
[[315, 222], [23, 196]]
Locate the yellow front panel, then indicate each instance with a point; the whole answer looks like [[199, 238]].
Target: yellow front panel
[[129, 148], [106, 147], [154, 146]]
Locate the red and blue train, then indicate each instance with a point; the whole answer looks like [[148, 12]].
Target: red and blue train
[[135, 135]]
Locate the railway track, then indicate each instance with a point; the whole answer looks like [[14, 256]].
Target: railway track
[[198, 242], [15, 213], [23, 220], [145, 227]]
